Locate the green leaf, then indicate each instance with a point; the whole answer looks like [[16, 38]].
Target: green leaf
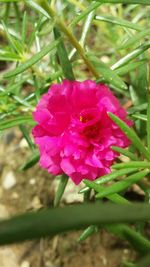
[[148, 122], [132, 55], [132, 164], [62, 26], [18, 17], [130, 133], [109, 177], [129, 67], [15, 122], [109, 75], [87, 26], [61, 188], [10, 31], [35, 31], [138, 241], [140, 117], [14, 43], [63, 57], [141, 81], [116, 198], [131, 2], [136, 38], [31, 161], [37, 7], [124, 152], [85, 29], [27, 137], [24, 27], [88, 232], [32, 60], [8, 1], [119, 21], [54, 221], [6, 55], [122, 185], [136, 108], [92, 7]]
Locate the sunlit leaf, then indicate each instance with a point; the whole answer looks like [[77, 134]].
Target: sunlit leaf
[[123, 184]]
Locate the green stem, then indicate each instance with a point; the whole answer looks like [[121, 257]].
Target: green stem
[[68, 33]]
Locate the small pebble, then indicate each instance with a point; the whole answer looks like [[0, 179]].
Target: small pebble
[[9, 180], [23, 143], [104, 260], [105, 59], [25, 264], [49, 264], [36, 204], [71, 193], [32, 181], [126, 251], [15, 195]]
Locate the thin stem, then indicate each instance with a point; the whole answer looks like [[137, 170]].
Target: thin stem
[[70, 36], [86, 28]]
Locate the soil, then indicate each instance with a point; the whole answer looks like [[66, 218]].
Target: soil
[[35, 189]]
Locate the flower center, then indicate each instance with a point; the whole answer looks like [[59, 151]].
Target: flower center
[[90, 123], [92, 131], [85, 119]]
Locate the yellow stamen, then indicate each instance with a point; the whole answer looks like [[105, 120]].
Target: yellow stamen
[[81, 118]]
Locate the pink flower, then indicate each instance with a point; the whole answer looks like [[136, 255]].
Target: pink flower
[[74, 132]]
